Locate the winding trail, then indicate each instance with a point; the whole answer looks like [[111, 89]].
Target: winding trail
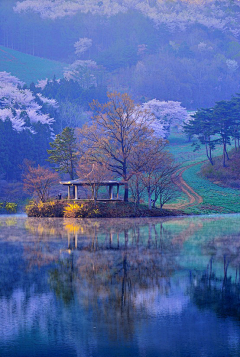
[[193, 196]]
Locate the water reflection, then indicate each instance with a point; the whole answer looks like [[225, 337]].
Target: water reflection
[[146, 287]]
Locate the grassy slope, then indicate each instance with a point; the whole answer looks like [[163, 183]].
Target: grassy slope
[[216, 199], [29, 68]]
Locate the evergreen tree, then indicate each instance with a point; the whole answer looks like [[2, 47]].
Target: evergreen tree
[[224, 123], [201, 126], [64, 152]]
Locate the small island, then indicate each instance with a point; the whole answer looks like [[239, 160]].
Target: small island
[[98, 209]]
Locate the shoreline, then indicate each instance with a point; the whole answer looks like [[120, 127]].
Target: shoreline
[[99, 209]]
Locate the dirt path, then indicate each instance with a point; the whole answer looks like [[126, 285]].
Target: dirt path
[[193, 196]]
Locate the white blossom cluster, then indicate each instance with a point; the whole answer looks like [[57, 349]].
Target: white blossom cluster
[[82, 45], [20, 106], [82, 72], [167, 114], [41, 83], [175, 14], [221, 15], [61, 8]]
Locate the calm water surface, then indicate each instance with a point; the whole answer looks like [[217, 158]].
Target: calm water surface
[[126, 287]]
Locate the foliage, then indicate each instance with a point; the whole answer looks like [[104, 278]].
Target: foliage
[[214, 126], [9, 207], [86, 72], [30, 146], [82, 45], [168, 114], [201, 127], [186, 51], [88, 209], [181, 16], [74, 210], [64, 152], [72, 91], [25, 123], [21, 106], [45, 209]]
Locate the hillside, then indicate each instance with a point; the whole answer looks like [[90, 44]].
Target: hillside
[[187, 51], [29, 68]]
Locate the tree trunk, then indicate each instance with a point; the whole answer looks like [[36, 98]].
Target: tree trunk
[[149, 201], [126, 182], [154, 201], [227, 154], [208, 153], [210, 156], [126, 192], [224, 155]]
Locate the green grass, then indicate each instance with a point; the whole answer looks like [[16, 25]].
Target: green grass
[[216, 199], [182, 150], [29, 68]]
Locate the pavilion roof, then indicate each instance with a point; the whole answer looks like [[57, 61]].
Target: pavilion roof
[[80, 182]]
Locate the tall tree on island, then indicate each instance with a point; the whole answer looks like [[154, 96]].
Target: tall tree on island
[[64, 152], [117, 129]]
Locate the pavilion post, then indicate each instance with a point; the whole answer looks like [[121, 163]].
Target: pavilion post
[[69, 196], [76, 192], [76, 240], [110, 192]]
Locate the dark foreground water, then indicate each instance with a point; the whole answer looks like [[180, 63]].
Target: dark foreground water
[[127, 287]]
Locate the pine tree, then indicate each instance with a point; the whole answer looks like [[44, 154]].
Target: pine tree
[[64, 152]]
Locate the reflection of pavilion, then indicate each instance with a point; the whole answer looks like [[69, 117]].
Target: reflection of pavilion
[[81, 183]]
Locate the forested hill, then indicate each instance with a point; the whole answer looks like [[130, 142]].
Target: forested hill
[[188, 51]]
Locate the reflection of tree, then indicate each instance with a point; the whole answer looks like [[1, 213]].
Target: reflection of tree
[[108, 271], [219, 290], [219, 295], [61, 279], [225, 249], [109, 264]]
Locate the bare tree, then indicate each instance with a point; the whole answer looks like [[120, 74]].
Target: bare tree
[[119, 127], [38, 181]]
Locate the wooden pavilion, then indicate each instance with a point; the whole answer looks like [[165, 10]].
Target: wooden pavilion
[[81, 183]]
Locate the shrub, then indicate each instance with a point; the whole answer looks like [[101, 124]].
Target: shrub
[[45, 209], [74, 210], [9, 207]]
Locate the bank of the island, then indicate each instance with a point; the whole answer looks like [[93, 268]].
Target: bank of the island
[[91, 209]]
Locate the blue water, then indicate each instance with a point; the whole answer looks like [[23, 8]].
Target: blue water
[[130, 287]]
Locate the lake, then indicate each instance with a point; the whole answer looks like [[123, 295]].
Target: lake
[[120, 287]]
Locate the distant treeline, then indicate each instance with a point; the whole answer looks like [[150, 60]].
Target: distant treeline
[[196, 66]]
